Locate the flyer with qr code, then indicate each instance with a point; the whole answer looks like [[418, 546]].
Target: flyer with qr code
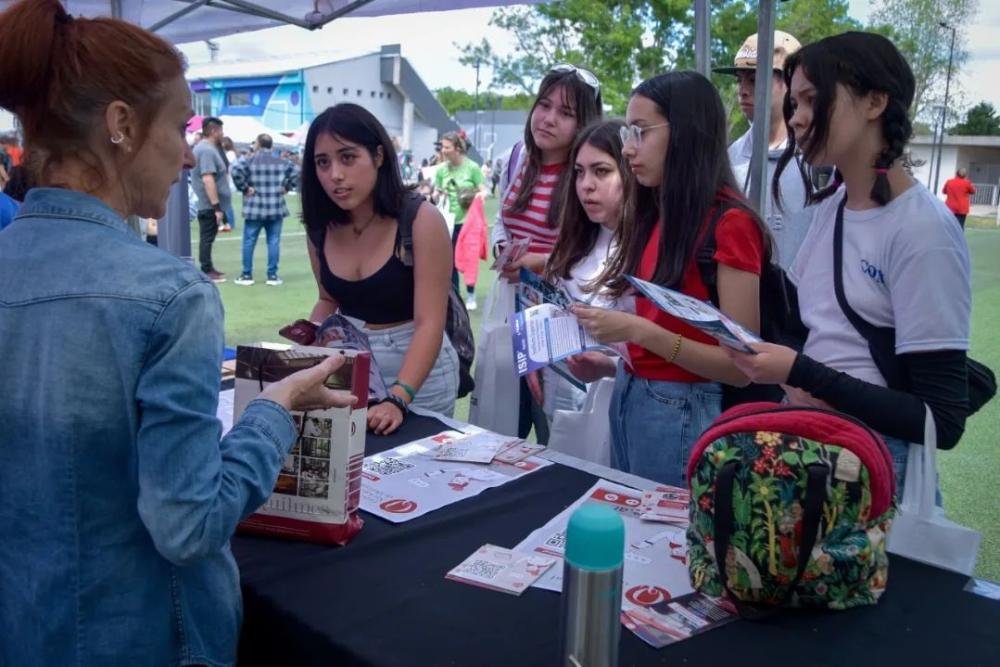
[[408, 481], [655, 571], [500, 569]]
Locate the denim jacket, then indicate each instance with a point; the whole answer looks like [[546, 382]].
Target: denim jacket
[[117, 498]]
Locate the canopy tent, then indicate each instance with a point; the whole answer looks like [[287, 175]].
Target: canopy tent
[[244, 130], [195, 20]]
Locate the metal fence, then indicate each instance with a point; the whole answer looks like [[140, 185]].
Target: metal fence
[[986, 194]]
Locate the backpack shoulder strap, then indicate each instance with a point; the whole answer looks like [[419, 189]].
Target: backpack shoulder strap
[[881, 340], [411, 205], [705, 253]]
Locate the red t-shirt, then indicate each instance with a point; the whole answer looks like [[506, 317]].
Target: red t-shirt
[[957, 191], [739, 244]]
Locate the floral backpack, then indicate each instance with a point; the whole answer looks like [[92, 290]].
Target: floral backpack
[[795, 503]]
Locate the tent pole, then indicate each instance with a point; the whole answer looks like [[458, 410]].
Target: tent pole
[[702, 37], [177, 15], [762, 105]]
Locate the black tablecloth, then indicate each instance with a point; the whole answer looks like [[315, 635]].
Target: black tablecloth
[[383, 599]]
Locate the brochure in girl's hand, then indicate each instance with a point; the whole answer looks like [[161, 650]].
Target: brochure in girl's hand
[[699, 314], [544, 334]]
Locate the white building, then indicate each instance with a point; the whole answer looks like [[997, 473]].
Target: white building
[[979, 155], [286, 93]]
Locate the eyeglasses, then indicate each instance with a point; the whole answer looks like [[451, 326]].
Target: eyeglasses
[[633, 133], [584, 75]]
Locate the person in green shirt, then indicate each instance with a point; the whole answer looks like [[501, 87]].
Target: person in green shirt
[[460, 179]]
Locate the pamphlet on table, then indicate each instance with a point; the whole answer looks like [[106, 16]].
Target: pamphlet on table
[[699, 314], [658, 602], [500, 569], [411, 480]]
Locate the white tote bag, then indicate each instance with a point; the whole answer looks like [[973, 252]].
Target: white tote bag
[[586, 434], [921, 531], [495, 400], [443, 205]]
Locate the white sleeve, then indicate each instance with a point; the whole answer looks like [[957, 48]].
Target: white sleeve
[[930, 284]]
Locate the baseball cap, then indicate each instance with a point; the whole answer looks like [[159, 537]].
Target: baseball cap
[[746, 58]]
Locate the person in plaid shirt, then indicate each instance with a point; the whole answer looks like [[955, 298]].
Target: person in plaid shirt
[[264, 179]]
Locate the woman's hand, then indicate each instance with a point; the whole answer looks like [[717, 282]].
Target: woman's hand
[[384, 418], [305, 390], [771, 364], [591, 366], [803, 398], [608, 326], [533, 261]]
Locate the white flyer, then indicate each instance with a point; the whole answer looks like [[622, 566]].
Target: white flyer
[[407, 482], [500, 569], [655, 553], [474, 448]]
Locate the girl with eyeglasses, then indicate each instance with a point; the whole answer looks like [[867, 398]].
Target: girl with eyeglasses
[[669, 393], [569, 98], [904, 263]]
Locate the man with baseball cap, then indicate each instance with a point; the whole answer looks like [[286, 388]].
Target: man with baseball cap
[[787, 224]]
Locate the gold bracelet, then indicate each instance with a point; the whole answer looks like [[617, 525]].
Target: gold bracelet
[[677, 349]]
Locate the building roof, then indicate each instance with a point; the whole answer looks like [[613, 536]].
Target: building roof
[[245, 68], [959, 140], [502, 116]]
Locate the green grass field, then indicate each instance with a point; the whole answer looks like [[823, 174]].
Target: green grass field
[[256, 313]]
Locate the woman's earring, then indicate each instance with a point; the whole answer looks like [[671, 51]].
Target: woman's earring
[[118, 138]]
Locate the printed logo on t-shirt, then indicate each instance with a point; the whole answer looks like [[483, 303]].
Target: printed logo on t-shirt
[[872, 272]]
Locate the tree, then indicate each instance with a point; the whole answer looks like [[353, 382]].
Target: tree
[[980, 120], [625, 41], [915, 28], [454, 100]]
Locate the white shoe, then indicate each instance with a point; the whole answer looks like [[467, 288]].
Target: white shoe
[[244, 280], [470, 303], [275, 281]]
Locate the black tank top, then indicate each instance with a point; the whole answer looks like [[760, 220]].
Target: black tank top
[[385, 297]]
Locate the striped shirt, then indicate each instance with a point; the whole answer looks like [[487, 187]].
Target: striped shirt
[[530, 223]]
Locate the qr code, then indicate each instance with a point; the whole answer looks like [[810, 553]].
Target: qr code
[[557, 541], [386, 466], [482, 569]]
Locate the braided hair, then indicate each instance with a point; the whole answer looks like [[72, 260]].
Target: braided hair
[[864, 62]]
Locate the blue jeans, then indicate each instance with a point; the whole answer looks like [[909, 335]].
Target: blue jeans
[[251, 230], [230, 215], [654, 424]]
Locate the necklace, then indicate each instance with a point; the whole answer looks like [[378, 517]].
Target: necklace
[[359, 232]]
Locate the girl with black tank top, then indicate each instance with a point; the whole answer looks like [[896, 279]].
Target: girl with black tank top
[[352, 197]]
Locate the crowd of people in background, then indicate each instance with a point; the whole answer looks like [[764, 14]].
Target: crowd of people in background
[[137, 545]]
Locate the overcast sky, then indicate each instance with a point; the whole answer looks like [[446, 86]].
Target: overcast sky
[[428, 42]]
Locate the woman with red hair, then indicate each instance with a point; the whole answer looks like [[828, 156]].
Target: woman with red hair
[[117, 498]]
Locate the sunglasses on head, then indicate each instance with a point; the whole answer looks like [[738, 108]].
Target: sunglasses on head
[[584, 75]]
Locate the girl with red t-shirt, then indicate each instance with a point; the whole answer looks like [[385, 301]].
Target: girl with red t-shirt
[[569, 98], [669, 392]]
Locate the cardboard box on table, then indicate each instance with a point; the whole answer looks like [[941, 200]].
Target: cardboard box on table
[[318, 489]]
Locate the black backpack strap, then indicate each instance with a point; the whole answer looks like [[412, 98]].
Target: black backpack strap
[[705, 254], [725, 526], [881, 340], [411, 205]]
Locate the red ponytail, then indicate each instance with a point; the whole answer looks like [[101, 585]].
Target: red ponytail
[[58, 74]]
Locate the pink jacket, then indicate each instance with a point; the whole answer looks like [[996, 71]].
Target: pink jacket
[[471, 245]]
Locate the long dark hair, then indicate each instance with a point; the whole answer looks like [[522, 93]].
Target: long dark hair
[[863, 62], [357, 125], [577, 234], [588, 105], [697, 174]]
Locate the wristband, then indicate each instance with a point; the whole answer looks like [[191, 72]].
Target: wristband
[[410, 391], [217, 207], [397, 401], [676, 350]]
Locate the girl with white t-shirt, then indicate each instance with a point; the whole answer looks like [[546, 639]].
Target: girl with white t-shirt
[[905, 263], [590, 215]]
